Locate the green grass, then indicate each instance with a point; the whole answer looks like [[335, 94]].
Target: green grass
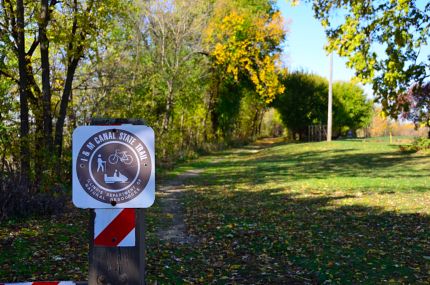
[[346, 212], [44, 249]]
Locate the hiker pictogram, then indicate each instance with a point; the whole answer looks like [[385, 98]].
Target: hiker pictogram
[[101, 164]]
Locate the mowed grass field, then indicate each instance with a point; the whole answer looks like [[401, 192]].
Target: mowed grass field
[[345, 212]]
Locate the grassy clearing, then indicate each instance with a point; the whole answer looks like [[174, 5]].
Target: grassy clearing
[[346, 212]]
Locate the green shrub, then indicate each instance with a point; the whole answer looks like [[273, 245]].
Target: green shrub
[[422, 143], [418, 145]]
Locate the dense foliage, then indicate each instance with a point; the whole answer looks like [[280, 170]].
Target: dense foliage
[[382, 41], [415, 105], [351, 109], [201, 75], [42, 44], [304, 103]]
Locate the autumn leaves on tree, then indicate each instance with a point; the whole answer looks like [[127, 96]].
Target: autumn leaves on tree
[[201, 75], [163, 61], [246, 43], [382, 41]]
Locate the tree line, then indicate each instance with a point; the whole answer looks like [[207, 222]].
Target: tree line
[[202, 74], [304, 103]]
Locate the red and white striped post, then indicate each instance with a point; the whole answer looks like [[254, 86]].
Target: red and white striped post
[[115, 227], [42, 283], [117, 241], [117, 247]]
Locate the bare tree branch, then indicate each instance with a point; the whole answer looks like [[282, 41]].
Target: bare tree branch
[[33, 47], [7, 75]]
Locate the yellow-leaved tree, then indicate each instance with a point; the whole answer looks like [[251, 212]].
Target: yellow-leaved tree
[[245, 41]]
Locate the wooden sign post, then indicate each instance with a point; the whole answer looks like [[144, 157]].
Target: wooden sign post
[[118, 265], [114, 176]]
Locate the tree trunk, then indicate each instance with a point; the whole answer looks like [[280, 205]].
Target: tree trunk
[[38, 150], [254, 125], [65, 98], [39, 153], [261, 121], [23, 99], [206, 119], [169, 108], [43, 138], [46, 81], [213, 95], [75, 51]]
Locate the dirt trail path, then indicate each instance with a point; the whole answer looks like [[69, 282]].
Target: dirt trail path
[[174, 229]]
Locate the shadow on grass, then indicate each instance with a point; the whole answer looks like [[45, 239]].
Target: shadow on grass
[[269, 237], [314, 165], [257, 236]]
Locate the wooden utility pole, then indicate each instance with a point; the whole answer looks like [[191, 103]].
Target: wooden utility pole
[[330, 99]]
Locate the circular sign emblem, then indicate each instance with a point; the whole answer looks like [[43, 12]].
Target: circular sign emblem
[[113, 166]]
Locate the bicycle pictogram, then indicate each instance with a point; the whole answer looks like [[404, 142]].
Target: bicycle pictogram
[[122, 156]]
